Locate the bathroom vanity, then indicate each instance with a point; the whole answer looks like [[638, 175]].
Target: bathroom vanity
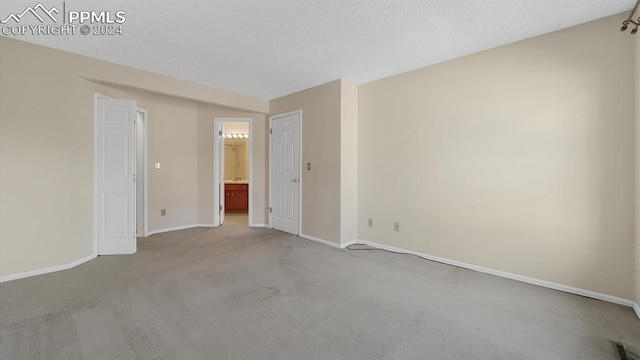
[[236, 196]]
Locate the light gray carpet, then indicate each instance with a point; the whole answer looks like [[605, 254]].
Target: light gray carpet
[[239, 293]]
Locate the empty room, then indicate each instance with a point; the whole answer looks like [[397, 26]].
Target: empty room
[[320, 179]]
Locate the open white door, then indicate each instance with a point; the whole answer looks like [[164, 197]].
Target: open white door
[[284, 165], [221, 172], [116, 193]]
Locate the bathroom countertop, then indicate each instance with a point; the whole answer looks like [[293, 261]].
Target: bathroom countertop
[[244, 182]]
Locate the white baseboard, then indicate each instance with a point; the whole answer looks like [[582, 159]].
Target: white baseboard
[[504, 274], [204, 225], [352, 242], [327, 242], [47, 270], [183, 227], [321, 241], [636, 308], [259, 225]]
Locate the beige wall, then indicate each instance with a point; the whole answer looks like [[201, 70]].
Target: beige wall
[[259, 192], [330, 143], [46, 166], [321, 146], [46, 150], [348, 162], [173, 142], [518, 158]]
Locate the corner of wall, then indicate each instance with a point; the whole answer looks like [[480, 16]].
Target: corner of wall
[[348, 162], [321, 113], [637, 173]]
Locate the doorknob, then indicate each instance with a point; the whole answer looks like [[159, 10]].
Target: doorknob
[[294, 180]]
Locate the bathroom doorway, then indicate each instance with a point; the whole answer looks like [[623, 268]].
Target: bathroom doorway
[[232, 149]]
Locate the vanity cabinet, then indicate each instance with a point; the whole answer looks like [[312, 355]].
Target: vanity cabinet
[[236, 198]]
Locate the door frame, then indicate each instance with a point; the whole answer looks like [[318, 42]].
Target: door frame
[[145, 162], [299, 112], [216, 166]]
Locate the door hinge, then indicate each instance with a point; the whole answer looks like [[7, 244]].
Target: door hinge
[[220, 132], [270, 210], [270, 131], [220, 208]]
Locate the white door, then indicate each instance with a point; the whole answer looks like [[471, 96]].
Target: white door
[[284, 164], [116, 209], [221, 171]]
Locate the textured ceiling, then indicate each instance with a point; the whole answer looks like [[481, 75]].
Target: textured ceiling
[[272, 48]]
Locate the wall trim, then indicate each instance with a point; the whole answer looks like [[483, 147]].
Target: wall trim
[[349, 243], [321, 241], [31, 273], [636, 308], [176, 228], [504, 274], [259, 225]]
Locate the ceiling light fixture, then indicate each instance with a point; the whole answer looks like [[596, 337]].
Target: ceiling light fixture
[[236, 136], [626, 23]]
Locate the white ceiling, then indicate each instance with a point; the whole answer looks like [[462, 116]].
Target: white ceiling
[[272, 48]]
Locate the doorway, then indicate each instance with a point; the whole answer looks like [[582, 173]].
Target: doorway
[[232, 171]]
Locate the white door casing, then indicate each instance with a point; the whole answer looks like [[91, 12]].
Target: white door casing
[[141, 172], [218, 166], [116, 193], [284, 172], [221, 171]]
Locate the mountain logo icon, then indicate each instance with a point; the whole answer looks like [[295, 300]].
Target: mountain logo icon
[[33, 11]]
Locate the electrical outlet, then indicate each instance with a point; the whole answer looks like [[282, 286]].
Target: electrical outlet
[[370, 222], [396, 226], [163, 212]]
